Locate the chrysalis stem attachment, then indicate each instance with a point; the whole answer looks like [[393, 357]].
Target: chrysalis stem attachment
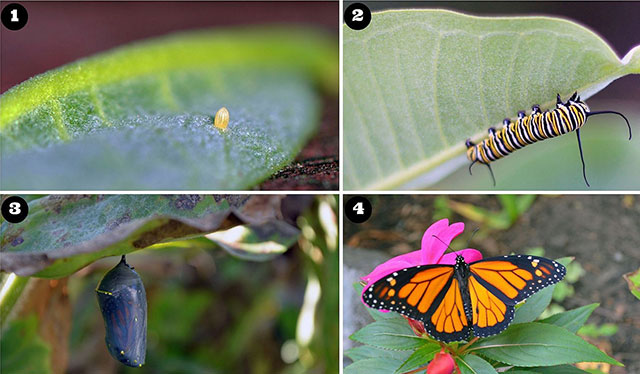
[[221, 119]]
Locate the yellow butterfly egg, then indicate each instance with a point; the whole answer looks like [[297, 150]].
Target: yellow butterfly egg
[[221, 119]]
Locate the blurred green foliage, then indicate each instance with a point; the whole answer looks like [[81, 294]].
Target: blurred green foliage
[[592, 330], [633, 281], [22, 350], [512, 207]]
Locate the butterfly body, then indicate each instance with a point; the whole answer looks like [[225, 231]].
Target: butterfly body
[[453, 300]]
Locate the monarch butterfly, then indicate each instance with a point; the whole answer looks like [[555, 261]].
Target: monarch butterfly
[[452, 299], [566, 117], [123, 304]]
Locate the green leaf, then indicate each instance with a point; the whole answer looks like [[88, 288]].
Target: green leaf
[[373, 366], [12, 287], [633, 281], [534, 305], [388, 334], [378, 315], [560, 369], [64, 233], [572, 319], [141, 116], [257, 242], [539, 344], [472, 364], [420, 357], [22, 350], [417, 83], [363, 352]]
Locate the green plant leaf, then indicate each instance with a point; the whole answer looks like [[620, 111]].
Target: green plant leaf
[[472, 364], [420, 357], [572, 319], [12, 287], [388, 334], [633, 281], [560, 369], [534, 305], [257, 242], [141, 116], [417, 83], [23, 351], [539, 344], [63, 233], [363, 352], [373, 366]]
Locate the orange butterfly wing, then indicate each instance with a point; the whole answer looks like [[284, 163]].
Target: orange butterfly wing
[[497, 284], [430, 294]]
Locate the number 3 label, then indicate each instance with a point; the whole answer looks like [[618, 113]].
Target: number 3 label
[[14, 209]]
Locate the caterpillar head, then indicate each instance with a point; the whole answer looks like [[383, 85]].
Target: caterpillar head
[[471, 150], [575, 100]]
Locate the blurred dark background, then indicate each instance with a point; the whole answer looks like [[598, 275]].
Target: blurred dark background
[[61, 32], [615, 21]]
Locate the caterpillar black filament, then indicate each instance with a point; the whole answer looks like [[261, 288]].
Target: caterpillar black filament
[[528, 129]]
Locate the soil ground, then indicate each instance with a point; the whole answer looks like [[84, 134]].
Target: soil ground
[[316, 166], [602, 232]]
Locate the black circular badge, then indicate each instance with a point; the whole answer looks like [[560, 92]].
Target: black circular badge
[[358, 209], [357, 16], [14, 16], [14, 209]]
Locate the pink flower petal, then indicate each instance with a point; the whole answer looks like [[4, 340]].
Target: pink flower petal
[[432, 248]]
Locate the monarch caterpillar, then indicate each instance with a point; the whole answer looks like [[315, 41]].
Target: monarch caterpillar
[[454, 300], [538, 125], [221, 120], [123, 303]]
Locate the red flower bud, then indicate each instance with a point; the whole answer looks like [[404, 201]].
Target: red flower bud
[[442, 363], [416, 326]]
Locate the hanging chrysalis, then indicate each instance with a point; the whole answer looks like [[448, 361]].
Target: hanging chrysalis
[[221, 119], [123, 304]]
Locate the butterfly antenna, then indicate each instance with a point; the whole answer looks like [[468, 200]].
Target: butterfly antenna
[[612, 112], [584, 172], [442, 241], [472, 235]]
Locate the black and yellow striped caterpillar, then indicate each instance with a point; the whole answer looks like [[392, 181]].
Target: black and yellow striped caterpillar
[[538, 125]]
